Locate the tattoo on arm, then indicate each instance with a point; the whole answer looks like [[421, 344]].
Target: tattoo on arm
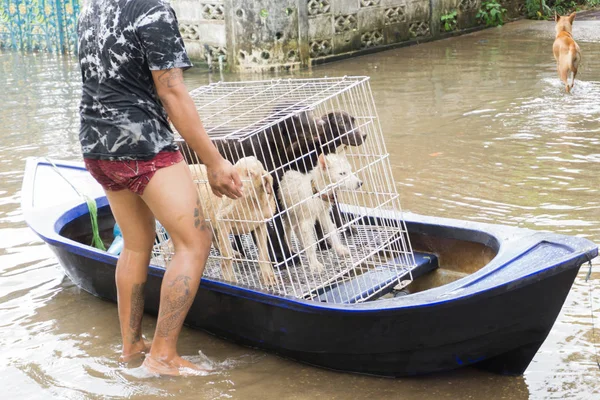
[[137, 312], [171, 77], [174, 306]]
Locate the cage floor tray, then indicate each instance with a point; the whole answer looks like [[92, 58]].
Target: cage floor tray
[[340, 281]]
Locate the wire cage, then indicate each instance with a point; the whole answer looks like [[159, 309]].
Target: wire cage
[[316, 175]]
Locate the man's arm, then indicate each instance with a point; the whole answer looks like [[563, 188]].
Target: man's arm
[[174, 96]]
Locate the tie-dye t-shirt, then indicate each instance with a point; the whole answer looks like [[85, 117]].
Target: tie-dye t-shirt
[[120, 42]]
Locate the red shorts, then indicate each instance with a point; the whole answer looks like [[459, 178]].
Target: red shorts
[[133, 175]]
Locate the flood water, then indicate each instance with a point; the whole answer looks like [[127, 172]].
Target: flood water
[[478, 128]]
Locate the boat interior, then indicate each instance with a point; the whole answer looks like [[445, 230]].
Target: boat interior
[[448, 256]]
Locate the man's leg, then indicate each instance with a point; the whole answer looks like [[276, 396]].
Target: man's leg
[[173, 199], [137, 227]]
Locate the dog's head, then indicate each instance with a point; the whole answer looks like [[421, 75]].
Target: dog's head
[[341, 128], [564, 23], [249, 168], [337, 171]]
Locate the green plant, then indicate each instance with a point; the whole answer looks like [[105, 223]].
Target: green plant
[[563, 7], [545, 9], [449, 21], [491, 13]]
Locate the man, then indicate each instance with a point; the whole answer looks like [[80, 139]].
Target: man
[[132, 59]]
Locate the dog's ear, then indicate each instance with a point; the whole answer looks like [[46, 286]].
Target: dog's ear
[[322, 162], [246, 172], [267, 182], [320, 122], [329, 128], [572, 17], [297, 120], [328, 116], [556, 16], [331, 119]]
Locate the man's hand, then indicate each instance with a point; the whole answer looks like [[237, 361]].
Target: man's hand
[[224, 180]]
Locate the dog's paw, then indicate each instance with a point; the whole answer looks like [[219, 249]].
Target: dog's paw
[[238, 247], [228, 273], [316, 267], [342, 251], [291, 260], [268, 276], [284, 257], [238, 256], [324, 245], [351, 230]]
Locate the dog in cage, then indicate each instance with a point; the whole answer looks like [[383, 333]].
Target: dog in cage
[[307, 198], [294, 143], [245, 215]]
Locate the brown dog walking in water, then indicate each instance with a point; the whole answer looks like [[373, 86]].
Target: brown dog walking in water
[[566, 50]]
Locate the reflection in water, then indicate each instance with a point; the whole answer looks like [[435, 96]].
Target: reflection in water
[[478, 128]]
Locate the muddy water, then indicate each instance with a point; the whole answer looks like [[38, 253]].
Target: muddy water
[[478, 128]]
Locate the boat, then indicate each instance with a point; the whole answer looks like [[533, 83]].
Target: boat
[[482, 294]]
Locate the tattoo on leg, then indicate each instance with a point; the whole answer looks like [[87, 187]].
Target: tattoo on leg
[[199, 222], [137, 311], [175, 307]]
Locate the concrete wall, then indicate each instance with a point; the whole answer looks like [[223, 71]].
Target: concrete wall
[[268, 35], [202, 25]]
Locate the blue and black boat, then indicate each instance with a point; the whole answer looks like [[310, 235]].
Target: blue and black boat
[[484, 295]]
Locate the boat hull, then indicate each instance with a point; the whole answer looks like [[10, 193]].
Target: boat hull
[[500, 330], [496, 317]]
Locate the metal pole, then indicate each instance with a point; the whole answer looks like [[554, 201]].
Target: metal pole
[[60, 26]]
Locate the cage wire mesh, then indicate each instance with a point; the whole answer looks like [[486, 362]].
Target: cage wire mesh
[[316, 175]]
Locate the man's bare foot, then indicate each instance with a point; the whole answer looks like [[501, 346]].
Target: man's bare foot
[[137, 350], [175, 367]]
